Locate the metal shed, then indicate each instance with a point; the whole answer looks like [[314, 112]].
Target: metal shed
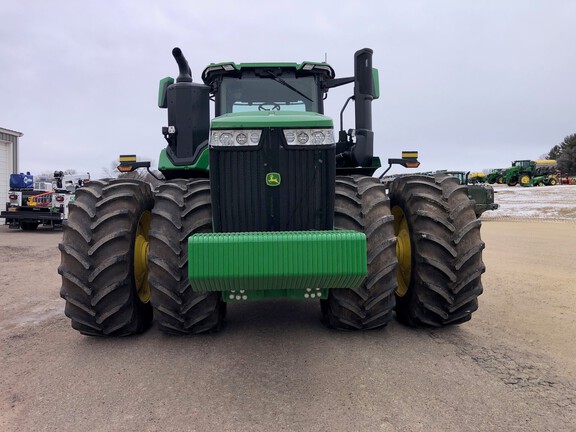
[[8, 160]]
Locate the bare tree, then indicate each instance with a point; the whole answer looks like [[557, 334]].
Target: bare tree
[[111, 171]]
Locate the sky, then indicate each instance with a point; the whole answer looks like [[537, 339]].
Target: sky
[[471, 85]]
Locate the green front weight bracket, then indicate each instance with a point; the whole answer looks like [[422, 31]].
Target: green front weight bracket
[[300, 264]]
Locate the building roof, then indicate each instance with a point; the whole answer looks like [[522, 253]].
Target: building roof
[[11, 132]]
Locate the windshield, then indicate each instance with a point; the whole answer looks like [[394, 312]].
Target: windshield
[[268, 94]]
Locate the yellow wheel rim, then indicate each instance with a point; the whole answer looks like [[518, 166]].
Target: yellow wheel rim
[[524, 179], [141, 257], [403, 251]]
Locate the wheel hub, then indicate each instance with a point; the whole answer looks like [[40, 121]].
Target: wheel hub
[[403, 251], [141, 257]]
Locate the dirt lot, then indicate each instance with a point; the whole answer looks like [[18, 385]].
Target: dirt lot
[[274, 367]]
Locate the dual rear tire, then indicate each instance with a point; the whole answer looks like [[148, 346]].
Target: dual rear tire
[[439, 251], [362, 205], [124, 250], [424, 253], [182, 208], [104, 277]]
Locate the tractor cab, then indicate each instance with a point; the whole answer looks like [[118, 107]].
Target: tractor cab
[[522, 163], [253, 87], [251, 99], [462, 176]]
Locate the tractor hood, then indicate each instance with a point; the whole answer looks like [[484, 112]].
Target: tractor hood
[[259, 120]]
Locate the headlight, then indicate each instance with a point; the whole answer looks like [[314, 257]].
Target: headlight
[[235, 138], [309, 136]]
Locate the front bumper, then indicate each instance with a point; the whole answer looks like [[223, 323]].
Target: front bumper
[[296, 264]]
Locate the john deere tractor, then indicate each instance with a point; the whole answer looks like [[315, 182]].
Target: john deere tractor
[[265, 201], [529, 173], [481, 194], [496, 176]]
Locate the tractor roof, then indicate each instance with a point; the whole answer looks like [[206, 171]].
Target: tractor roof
[[231, 68]]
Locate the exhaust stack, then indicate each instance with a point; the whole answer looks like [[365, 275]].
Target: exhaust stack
[[185, 74], [363, 151]]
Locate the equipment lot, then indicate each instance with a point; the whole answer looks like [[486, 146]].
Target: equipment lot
[[275, 367]]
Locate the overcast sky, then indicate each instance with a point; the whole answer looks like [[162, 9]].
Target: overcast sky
[[469, 84]]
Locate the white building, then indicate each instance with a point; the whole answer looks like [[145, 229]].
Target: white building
[[8, 160]]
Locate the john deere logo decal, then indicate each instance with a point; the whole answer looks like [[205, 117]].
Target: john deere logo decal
[[273, 179]]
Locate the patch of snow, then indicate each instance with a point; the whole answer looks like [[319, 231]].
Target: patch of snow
[[543, 202]]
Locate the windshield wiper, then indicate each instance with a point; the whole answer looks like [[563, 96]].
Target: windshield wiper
[[284, 83]]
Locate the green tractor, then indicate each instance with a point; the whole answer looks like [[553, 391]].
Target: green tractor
[[481, 194], [263, 201], [525, 171], [545, 180], [521, 172], [495, 176]]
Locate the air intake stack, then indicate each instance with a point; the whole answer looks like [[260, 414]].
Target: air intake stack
[[188, 115]]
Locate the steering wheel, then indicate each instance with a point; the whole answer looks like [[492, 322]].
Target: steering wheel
[[275, 106]]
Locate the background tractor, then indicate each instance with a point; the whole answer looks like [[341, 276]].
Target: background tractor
[[264, 201], [482, 195], [523, 172], [545, 180], [496, 176], [477, 177]]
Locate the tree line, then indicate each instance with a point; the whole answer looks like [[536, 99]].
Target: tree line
[[565, 154]]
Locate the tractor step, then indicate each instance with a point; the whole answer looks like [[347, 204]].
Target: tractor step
[[276, 261]]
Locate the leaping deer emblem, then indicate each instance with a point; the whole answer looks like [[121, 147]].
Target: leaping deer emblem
[[273, 179]]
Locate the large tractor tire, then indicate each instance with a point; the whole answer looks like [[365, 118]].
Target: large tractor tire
[[103, 251], [182, 208], [439, 251], [362, 205]]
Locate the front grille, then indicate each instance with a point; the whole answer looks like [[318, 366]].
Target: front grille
[[243, 202]]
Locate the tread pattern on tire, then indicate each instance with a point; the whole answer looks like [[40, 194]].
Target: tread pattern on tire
[[97, 251], [182, 208], [446, 251], [362, 205]]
